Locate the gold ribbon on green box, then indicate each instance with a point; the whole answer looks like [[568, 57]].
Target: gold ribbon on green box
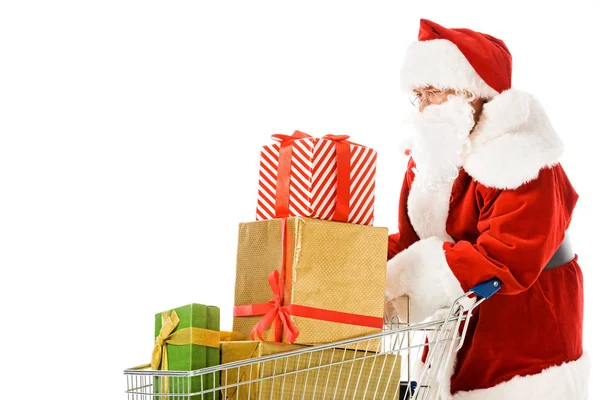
[[198, 336]]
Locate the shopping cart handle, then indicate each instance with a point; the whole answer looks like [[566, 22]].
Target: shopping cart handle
[[488, 288]]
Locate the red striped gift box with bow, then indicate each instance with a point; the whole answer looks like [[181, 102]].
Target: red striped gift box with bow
[[327, 178]]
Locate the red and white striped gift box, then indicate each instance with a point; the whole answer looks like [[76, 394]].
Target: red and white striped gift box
[[307, 185]]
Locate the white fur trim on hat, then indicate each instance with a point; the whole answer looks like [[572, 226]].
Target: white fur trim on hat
[[422, 272], [441, 64], [566, 381], [512, 141]]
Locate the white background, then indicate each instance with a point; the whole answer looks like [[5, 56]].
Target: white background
[[130, 133]]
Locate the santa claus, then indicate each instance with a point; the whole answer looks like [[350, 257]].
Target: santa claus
[[484, 196]]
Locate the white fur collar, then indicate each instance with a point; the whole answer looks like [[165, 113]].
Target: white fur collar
[[512, 141]]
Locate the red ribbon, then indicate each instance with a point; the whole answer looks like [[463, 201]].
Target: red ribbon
[[275, 311], [284, 168], [342, 158]]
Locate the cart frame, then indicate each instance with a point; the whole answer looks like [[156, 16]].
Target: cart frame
[[383, 365]]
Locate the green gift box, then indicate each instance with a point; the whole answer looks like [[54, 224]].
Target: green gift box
[[186, 339]]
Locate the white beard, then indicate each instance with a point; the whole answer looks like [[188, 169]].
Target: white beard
[[442, 139], [439, 147]]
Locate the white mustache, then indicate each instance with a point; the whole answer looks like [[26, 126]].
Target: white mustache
[[442, 139]]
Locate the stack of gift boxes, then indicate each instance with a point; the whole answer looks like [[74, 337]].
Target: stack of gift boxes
[[310, 271]]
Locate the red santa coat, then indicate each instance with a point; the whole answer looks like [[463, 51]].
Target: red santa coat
[[504, 216]]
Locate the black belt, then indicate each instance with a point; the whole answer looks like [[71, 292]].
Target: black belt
[[563, 255]]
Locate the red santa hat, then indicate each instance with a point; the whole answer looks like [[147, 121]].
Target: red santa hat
[[459, 59]]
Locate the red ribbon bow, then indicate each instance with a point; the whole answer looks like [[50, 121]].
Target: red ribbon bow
[[287, 140], [338, 138], [274, 310]]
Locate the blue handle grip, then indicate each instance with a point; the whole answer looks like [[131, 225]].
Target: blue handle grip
[[488, 288]]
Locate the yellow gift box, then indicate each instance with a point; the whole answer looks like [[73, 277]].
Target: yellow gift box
[[319, 374], [329, 284]]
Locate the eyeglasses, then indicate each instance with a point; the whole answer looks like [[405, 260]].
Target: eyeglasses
[[428, 96]]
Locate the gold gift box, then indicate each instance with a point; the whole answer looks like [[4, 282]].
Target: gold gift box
[[330, 265], [370, 376]]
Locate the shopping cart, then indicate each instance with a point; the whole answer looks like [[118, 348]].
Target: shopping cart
[[385, 365]]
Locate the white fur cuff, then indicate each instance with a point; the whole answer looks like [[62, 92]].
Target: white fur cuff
[[422, 273], [566, 381]]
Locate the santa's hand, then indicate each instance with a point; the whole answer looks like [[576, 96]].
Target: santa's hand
[[440, 315], [422, 273], [396, 310]]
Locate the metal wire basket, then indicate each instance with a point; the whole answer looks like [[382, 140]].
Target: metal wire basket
[[403, 361]]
